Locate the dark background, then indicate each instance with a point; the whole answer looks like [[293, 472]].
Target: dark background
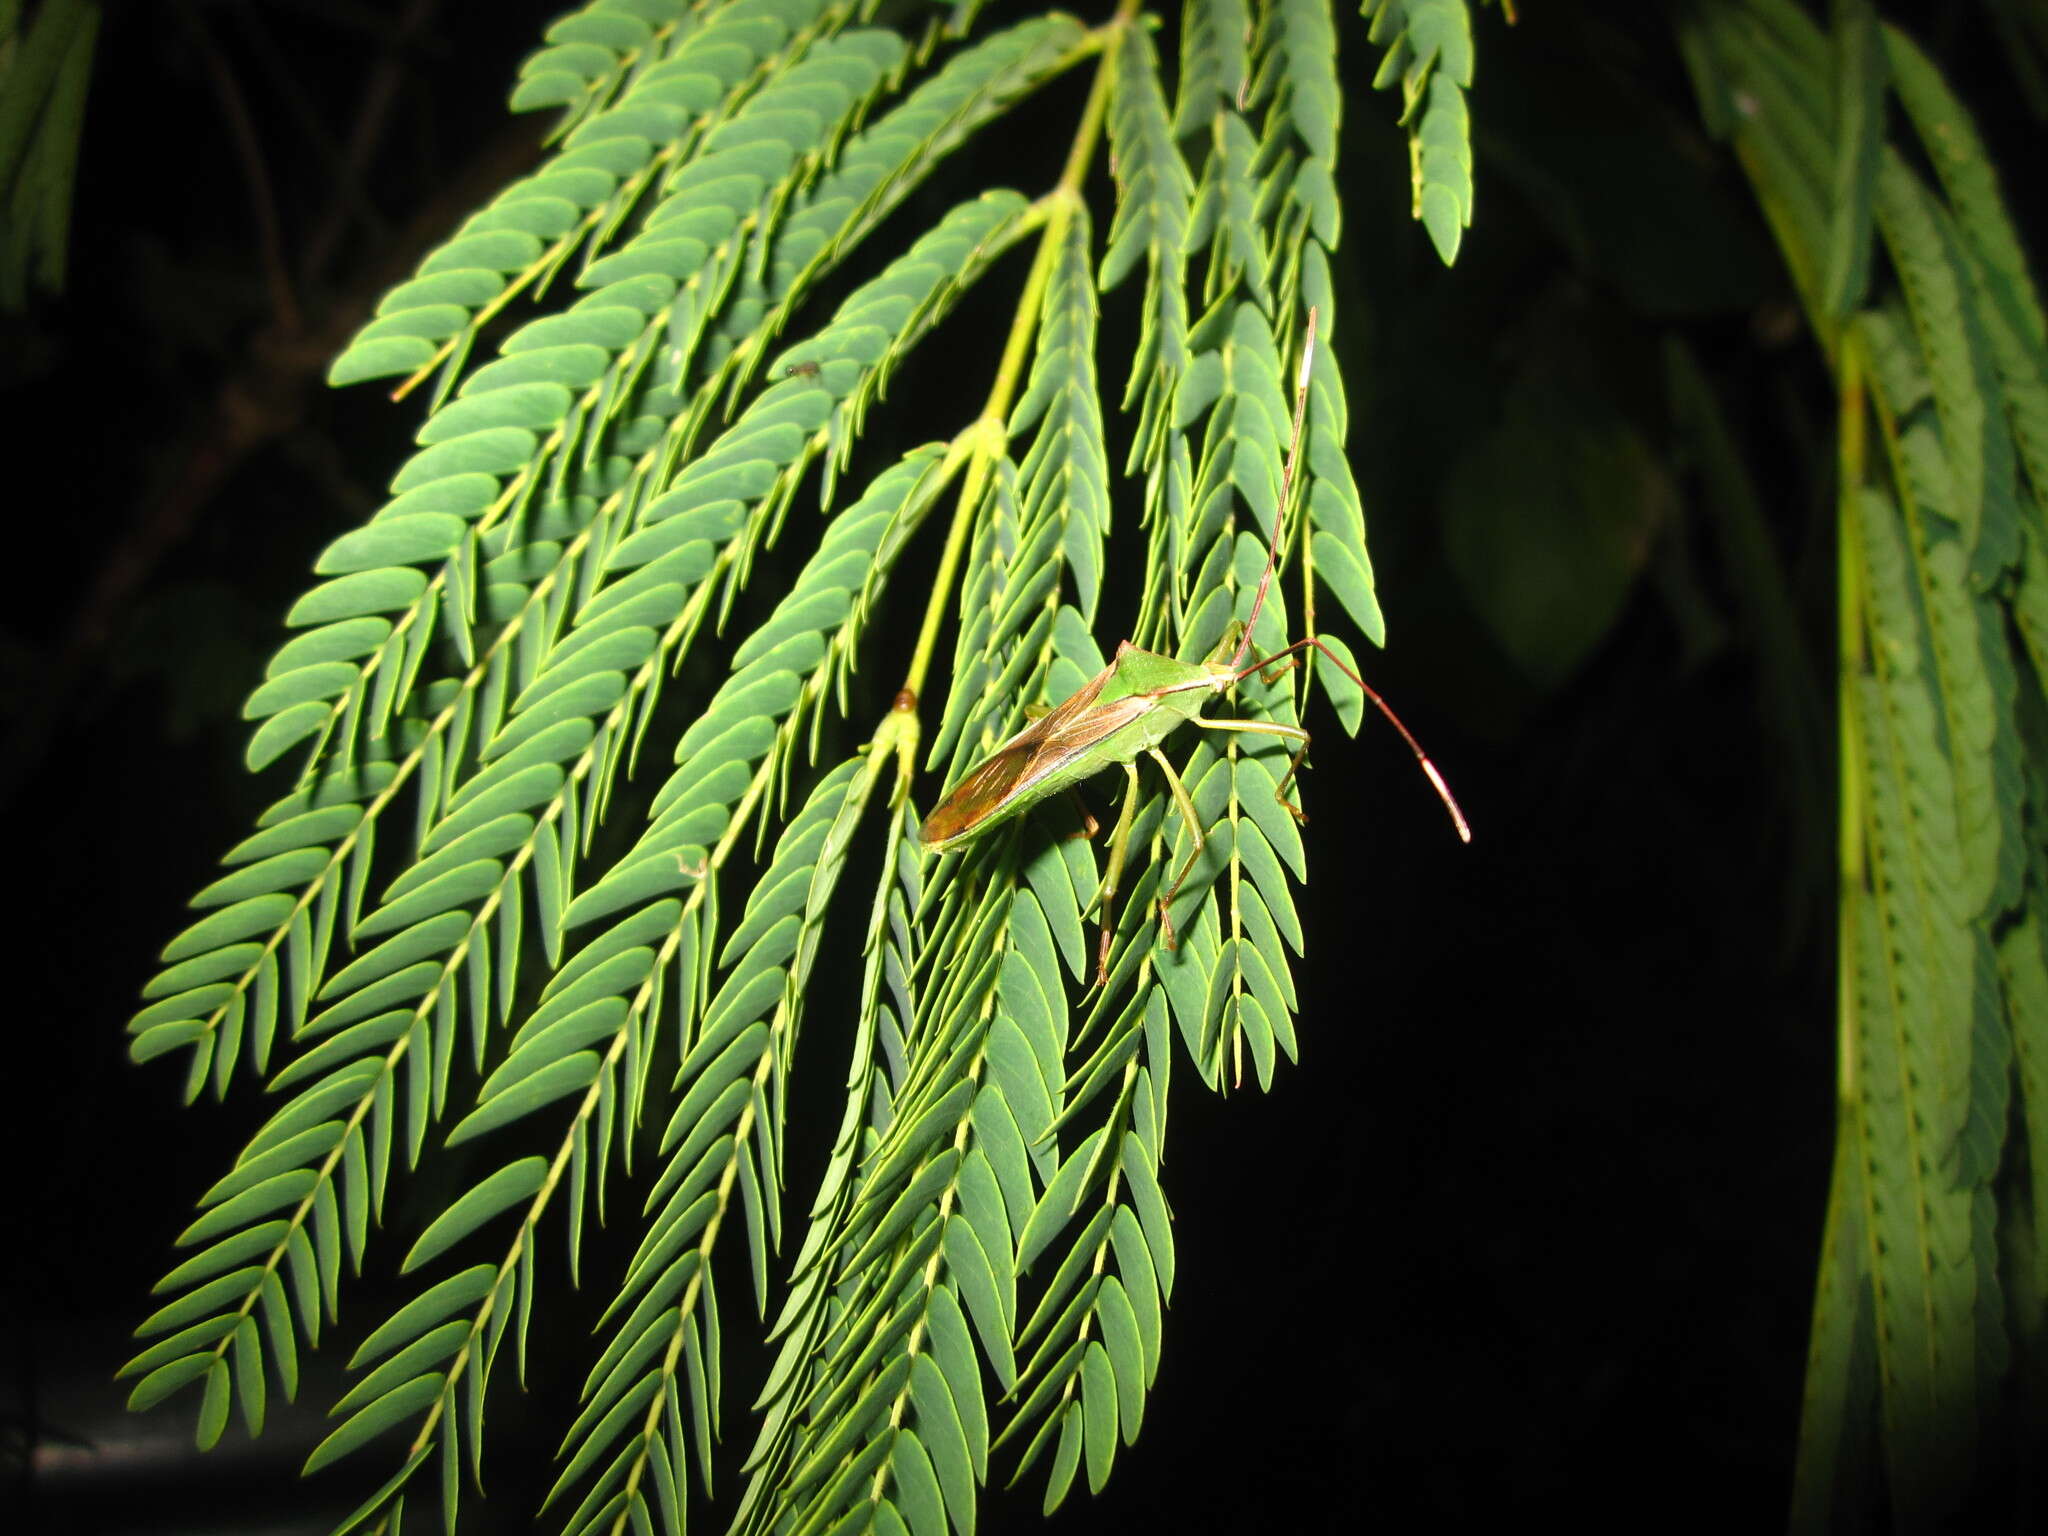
[[1531, 1232]]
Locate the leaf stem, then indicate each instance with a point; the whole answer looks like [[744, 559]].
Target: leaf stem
[[1055, 211], [1852, 659]]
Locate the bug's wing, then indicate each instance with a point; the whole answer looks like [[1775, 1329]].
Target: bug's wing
[[998, 786], [1067, 736], [992, 781]]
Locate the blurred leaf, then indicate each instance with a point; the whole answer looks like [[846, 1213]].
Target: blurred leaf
[[1549, 519], [44, 70], [1575, 122]]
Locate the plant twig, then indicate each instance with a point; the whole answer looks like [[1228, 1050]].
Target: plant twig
[[234, 106], [1055, 212], [373, 114]]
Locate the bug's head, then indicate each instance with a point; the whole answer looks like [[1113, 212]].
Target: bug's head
[[1219, 666]]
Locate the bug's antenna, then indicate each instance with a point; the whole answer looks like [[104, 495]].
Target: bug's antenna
[[1308, 358], [1429, 769], [1244, 645]]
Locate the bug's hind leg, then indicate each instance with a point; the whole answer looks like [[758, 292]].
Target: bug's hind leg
[[1119, 845], [1272, 674], [1270, 728], [1280, 790], [1186, 806], [1089, 825]]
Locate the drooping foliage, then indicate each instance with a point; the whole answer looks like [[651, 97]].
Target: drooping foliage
[[573, 816], [45, 67], [634, 376], [1933, 1270]]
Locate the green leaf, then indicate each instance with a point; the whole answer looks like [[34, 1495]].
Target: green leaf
[[352, 596], [424, 1311], [572, 1074], [423, 535], [280, 1190], [1430, 55], [916, 1486], [1058, 1204], [190, 1307], [1860, 78], [1066, 1459], [1978, 446], [954, 1350], [944, 1440], [395, 1406], [1120, 1340], [166, 1379], [245, 1244], [485, 1199], [1098, 1414]]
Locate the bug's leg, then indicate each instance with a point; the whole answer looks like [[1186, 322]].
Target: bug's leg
[[1269, 728], [1273, 674], [1119, 845], [1293, 767], [1089, 825], [1186, 807], [1280, 790]]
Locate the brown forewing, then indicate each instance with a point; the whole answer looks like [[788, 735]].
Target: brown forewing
[[1045, 745]]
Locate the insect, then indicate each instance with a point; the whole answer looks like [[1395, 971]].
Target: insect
[[1128, 708], [803, 370]]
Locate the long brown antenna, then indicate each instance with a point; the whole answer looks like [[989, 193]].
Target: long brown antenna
[[1429, 769], [1308, 359], [1244, 645]]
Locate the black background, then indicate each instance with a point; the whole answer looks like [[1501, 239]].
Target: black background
[[1530, 1232]]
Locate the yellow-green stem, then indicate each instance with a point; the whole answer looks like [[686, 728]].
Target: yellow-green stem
[[990, 438], [1055, 211]]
